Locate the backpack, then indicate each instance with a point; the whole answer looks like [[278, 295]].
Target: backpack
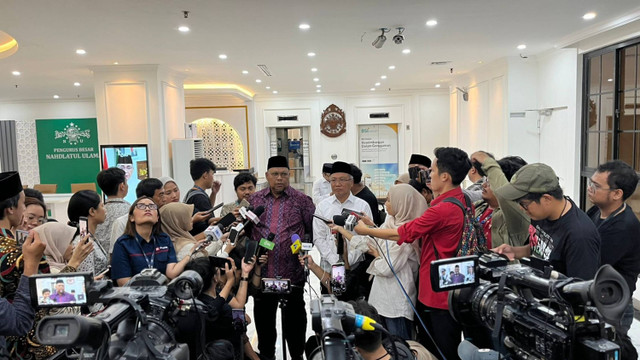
[[473, 241]]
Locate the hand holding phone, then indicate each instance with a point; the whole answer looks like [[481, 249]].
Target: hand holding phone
[[21, 237], [83, 226]]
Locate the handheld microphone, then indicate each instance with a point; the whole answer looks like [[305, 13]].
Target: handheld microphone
[[295, 244], [214, 232], [266, 244], [362, 322], [340, 221], [253, 218]]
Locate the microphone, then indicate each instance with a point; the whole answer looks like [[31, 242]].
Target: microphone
[[253, 218], [363, 322], [340, 221], [266, 244], [244, 210], [295, 244], [214, 232]]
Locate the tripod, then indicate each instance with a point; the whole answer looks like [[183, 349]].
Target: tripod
[[282, 304]]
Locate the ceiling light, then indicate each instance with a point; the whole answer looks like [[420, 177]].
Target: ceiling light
[[399, 38], [184, 29], [379, 41], [222, 56], [589, 16], [115, 63], [392, 67], [373, 89], [311, 54], [16, 73], [258, 81], [609, 80], [406, 51], [522, 47], [480, 62], [80, 51], [432, 23], [316, 79], [304, 27], [76, 84], [275, 91], [245, 72], [56, 96], [186, 69], [314, 69], [318, 86], [383, 77], [318, 90], [268, 87], [437, 85], [377, 84]]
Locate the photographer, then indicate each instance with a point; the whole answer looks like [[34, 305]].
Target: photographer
[[564, 234], [418, 162], [439, 229], [619, 228]]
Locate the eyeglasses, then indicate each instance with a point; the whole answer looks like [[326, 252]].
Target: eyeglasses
[[40, 220], [594, 186], [141, 206], [341, 180], [525, 204], [284, 174]]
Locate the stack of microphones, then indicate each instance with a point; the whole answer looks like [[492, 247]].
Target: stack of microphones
[[215, 232]]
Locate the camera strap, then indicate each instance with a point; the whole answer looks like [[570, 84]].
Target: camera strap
[[495, 334]]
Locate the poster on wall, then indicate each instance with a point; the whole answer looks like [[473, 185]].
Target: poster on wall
[[68, 152], [133, 159], [379, 157]]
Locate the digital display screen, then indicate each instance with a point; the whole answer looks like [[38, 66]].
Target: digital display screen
[[133, 159], [456, 273], [60, 291], [61, 331], [276, 286]]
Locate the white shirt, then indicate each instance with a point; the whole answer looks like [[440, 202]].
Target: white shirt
[[321, 190], [322, 237], [117, 230]]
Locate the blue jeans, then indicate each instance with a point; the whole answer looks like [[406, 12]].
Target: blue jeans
[[400, 327]]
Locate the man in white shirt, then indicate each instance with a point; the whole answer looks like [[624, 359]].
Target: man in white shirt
[[341, 182], [322, 187]]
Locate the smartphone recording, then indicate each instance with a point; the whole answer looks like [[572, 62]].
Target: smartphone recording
[[454, 273]]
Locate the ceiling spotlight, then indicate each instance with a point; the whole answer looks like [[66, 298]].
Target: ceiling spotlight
[[56, 96], [268, 87], [258, 81], [304, 27], [406, 51], [184, 29], [432, 23], [115, 63], [379, 41], [589, 16], [311, 54], [377, 84], [316, 79], [373, 89], [275, 91], [222, 57], [318, 90], [16, 73], [392, 67], [609, 80], [522, 47], [318, 86], [383, 77], [437, 85], [399, 38], [80, 51], [244, 72], [314, 69], [76, 84]]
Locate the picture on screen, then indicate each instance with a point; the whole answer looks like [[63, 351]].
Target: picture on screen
[[133, 159]]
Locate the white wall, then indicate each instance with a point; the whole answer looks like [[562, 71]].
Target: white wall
[[25, 113]]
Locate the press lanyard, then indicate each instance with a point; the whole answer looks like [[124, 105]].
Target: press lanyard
[[153, 254], [615, 213]]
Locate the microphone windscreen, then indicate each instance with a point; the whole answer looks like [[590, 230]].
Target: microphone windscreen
[[339, 220], [227, 220], [467, 350], [259, 210], [295, 237]]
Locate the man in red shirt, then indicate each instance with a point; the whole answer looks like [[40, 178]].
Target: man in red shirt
[[438, 229]]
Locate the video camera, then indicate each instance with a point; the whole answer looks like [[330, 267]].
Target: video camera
[[138, 321], [535, 312]]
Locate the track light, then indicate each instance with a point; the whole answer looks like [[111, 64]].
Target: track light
[[399, 38], [379, 41], [465, 93]]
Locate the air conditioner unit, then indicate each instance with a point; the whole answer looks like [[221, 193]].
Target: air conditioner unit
[[183, 151]]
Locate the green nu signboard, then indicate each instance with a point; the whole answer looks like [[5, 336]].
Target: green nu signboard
[[68, 152]]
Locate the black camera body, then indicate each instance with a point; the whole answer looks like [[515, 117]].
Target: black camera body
[[138, 321], [535, 312]]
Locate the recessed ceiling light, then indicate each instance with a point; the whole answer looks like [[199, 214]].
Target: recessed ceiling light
[[245, 72], [16, 73], [392, 67], [377, 84], [275, 91], [311, 54], [432, 23], [316, 79], [56, 96], [115, 63], [383, 77], [258, 81], [406, 51], [437, 85], [76, 84], [373, 89], [186, 69], [609, 80], [80, 51], [222, 57], [268, 87], [318, 90], [184, 29], [480, 62], [589, 16], [522, 47], [304, 27], [314, 69], [318, 86]]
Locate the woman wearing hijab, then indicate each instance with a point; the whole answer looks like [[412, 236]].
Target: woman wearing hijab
[[176, 222], [61, 256], [403, 204]]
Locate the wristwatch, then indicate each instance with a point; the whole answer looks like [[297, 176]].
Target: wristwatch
[[244, 278]]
